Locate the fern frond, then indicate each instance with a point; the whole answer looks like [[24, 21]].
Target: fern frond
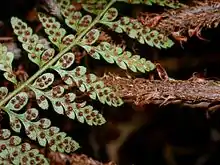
[[40, 130], [132, 27], [170, 3], [56, 34], [12, 151], [38, 53], [124, 59], [64, 102], [86, 82], [6, 59], [75, 20], [95, 6], [3, 92], [51, 28], [108, 54], [135, 30]]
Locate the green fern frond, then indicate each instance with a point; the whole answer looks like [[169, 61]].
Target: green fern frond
[[6, 59], [12, 151], [95, 6], [3, 92], [75, 20], [132, 27], [37, 51], [169, 3], [124, 59], [64, 102], [63, 3], [40, 130], [85, 82], [68, 59], [41, 87], [56, 34], [135, 30], [92, 36]]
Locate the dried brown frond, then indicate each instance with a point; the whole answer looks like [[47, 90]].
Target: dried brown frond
[[192, 92], [186, 21], [57, 158]]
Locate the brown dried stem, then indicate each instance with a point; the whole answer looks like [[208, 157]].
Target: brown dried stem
[[192, 92], [57, 158], [186, 21]]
